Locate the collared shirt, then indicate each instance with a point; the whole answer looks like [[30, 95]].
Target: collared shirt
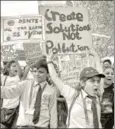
[[10, 103], [48, 111], [77, 116]]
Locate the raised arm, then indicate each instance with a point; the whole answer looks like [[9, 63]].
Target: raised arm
[[65, 90], [25, 73], [54, 76], [19, 70]]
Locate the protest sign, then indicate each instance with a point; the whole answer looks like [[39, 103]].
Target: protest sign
[[70, 67], [67, 29], [20, 55], [22, 28], [8, 52], [20, 51], [32, 51]]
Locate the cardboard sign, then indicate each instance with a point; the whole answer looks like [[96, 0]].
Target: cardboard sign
[[68, 34], [71, 66], [67, 29], [32, 51], [20, 55], [22, 28], [8, 52]]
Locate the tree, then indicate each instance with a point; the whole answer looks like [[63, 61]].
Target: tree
[[101, 18]]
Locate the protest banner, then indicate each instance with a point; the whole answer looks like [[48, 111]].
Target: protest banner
[[32, 51], [20, 55], [8, 52], [67, 29], [22, 28], [68, 34], [20, 51], [70, 67]]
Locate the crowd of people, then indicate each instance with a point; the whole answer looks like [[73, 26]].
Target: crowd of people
[[33, 101]]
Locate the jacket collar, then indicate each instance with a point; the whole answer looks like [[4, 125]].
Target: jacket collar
[[41, 84], [84, 94]]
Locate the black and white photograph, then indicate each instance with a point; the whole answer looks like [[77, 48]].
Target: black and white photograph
[[57, 64]]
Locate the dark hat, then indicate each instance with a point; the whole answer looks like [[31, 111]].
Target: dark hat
[[89, 72], [41, 62], [107, 60]]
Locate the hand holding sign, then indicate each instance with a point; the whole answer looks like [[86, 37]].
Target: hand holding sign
[[51, 57], [32, 51]]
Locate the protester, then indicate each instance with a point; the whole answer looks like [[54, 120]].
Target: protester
[[38, 104], [107, 104], [106, 63], [82, 103], [9, 107]]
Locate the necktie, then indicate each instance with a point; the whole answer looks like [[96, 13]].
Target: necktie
[[95, 116], [37, 106]]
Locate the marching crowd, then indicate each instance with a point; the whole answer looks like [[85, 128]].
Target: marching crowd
[[32, 101]]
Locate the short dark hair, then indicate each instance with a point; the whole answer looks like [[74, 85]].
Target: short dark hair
[[107, 60], [7, 66], [41, 63]]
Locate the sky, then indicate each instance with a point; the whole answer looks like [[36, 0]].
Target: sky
[[14, 8]]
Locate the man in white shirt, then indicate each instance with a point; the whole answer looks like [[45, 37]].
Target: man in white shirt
[[33, 111], [85, 112]]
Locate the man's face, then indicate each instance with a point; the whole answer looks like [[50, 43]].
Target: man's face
[[41, 75], [106, 64], [92, 86]]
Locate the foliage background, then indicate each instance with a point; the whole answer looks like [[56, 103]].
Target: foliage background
[[101, 18]]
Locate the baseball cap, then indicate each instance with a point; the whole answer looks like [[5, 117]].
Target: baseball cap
[[89, 72]]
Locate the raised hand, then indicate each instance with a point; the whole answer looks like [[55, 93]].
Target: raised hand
[[51, 56]]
